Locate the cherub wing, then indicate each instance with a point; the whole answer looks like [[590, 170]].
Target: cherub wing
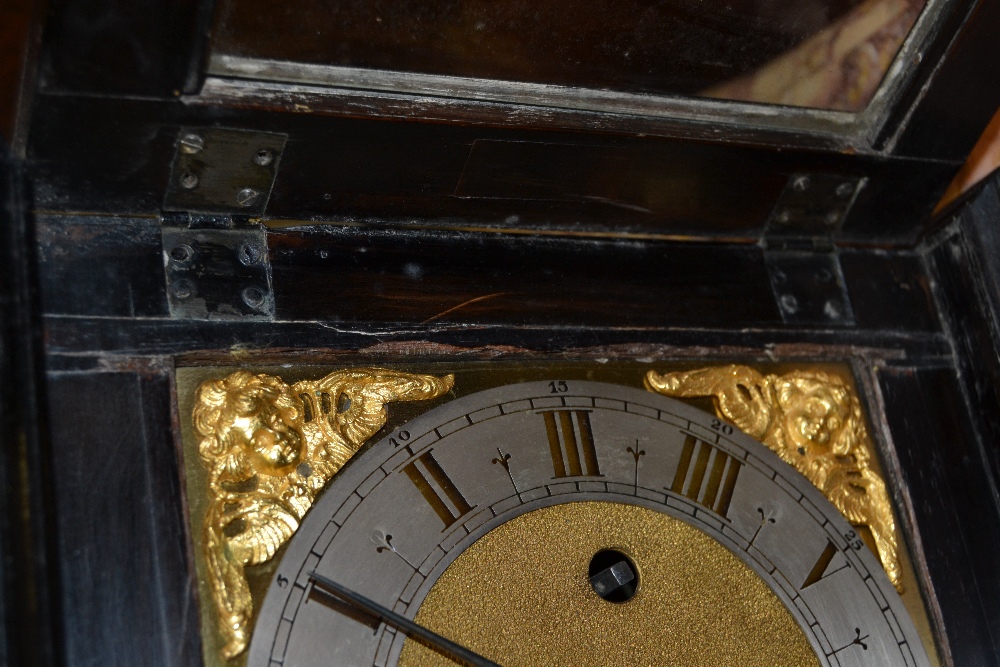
[[739, 393], [359, 397], [862, 498], [249, 535]]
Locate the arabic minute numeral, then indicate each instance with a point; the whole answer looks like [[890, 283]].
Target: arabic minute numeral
[[402, 436], [722, 427], [853, 540], [558, 387]]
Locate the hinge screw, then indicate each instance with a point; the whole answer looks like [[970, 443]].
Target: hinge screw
[[844, 190], [264, 157], [801, 184], [253, 297], [247, 197], [182, 288], [250, 254], [189, 181], [192, 143], [789, 303], [181, 253]]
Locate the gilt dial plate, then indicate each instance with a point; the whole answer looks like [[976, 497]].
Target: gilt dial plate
[[394, 520]]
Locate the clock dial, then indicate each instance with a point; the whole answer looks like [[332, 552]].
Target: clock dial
[[562, 522]]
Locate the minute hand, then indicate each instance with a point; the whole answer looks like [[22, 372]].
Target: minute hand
[[373, 608]]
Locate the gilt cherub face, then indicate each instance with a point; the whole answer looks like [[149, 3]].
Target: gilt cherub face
[[816, 411], [270, 435]]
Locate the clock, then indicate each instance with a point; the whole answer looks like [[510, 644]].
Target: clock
[[507, 194], [560, 521]]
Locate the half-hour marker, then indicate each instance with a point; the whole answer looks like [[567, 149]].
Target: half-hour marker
[[765, 519], [504, 460], [636, 454], [437, 489], [857, 641], [571, 444], [698, 458], [383, 543], [819, 570]]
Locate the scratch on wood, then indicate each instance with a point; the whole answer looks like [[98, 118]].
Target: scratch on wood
[[463, 305]]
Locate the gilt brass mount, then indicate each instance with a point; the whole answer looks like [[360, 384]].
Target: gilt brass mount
[[269, 449], [813, 421]]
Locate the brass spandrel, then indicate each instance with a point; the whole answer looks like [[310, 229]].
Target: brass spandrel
[[813, 421], [269, 448]]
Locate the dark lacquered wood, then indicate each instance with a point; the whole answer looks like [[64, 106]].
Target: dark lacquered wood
[[892, 289], [405, 173], [101, 266], [358, 276], [965, 266], [31, 619], [624, 238], [126, 590], [952, 109], [363, 278], [150, 48], [943, 468], [672, 48], [17, 27]]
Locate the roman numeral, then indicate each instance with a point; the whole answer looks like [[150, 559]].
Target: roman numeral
[[437, 489], [713, 491], [572, 448], [819, 571]]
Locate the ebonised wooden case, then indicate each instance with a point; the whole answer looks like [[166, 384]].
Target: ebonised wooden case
[[400, 228]]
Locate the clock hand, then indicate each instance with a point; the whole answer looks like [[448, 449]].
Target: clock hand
[[450, 648]]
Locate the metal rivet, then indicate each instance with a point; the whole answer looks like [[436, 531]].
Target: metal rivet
[[833, 310], [801, 183], [779, 277], [189, 181], [844, 190], [824, 276], [247, 197], [789, 303], [253, 297], [182, 288], [250, 254], [192, 143], [832, 218], [785, 217], [181, 253], [264, 157]]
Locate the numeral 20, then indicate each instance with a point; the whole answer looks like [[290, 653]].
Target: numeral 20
[[722, 427]]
